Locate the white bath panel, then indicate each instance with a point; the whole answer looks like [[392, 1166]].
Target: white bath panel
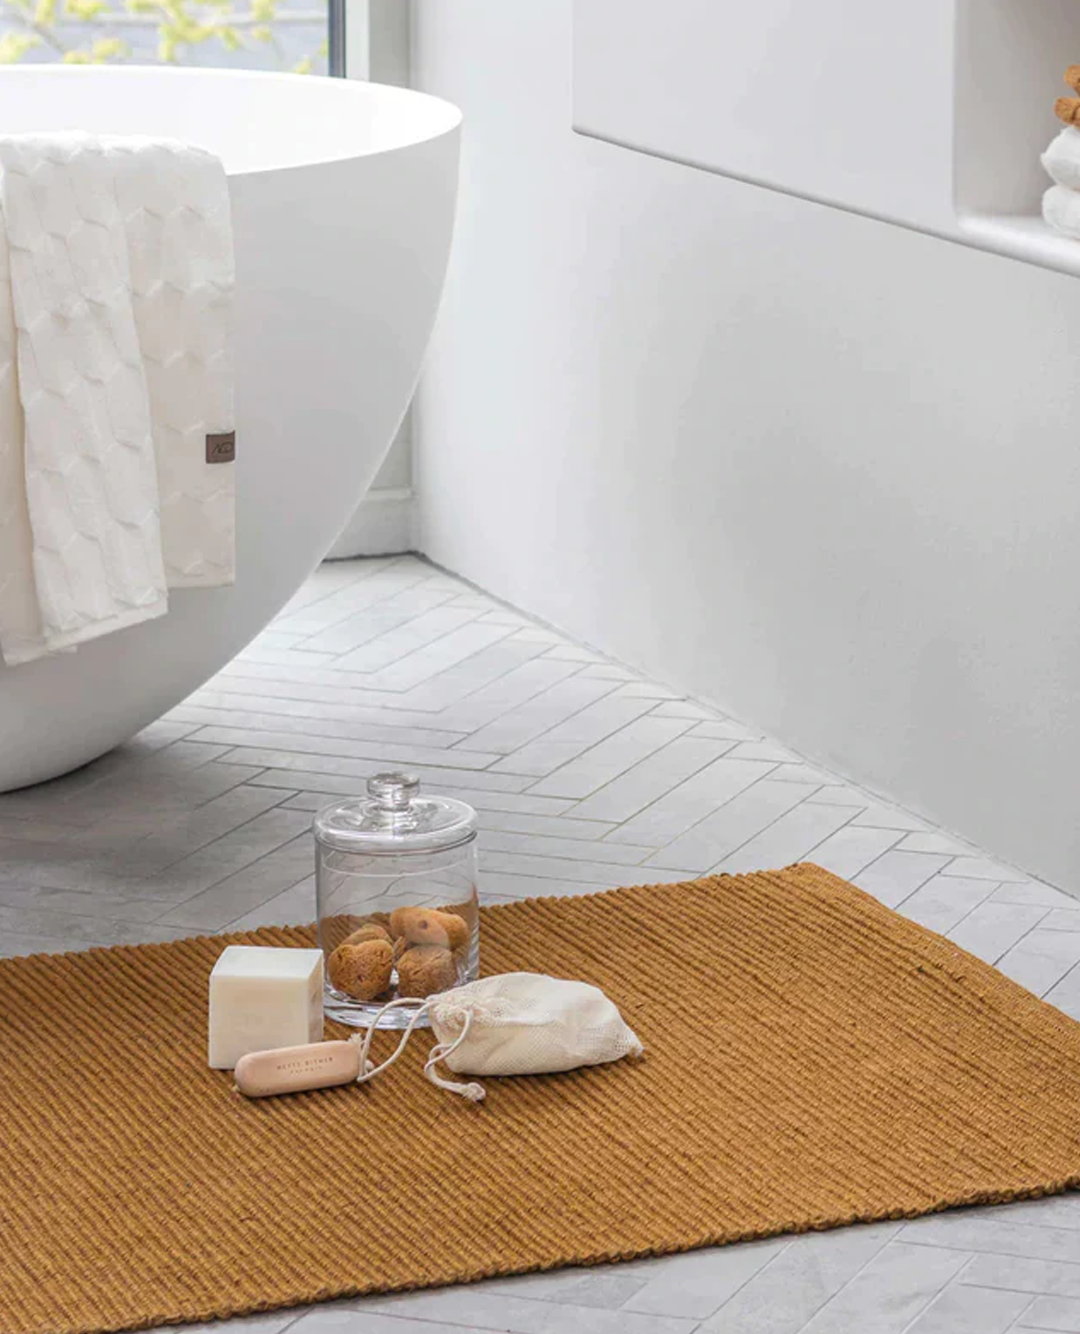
[[930, 115]]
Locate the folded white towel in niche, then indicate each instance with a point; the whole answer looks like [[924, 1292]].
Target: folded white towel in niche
[[1062, 158], [116, 281], [1061, 210]]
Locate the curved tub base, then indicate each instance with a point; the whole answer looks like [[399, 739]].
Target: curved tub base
[[341, 253]]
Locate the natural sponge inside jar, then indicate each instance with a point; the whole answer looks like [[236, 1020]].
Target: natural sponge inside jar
[[412, 952], [424, 970], [362, 970], [429, 926]]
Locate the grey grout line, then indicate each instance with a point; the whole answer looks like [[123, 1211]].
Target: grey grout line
[[462, 745], [980, 904], [373, 607], [317, 719], [911, 892], [803, 802], [415, 648], [501, 676], [958, 1279], [938, 1245], [931, 1298], [539, 736], [708, 816], [867, 824], [1018, 1322], [942, 870], [172, 905], [750, 1278], [997, 1218], [870, 1259], [232, 925], [761, 778], [1019, 939], [396, 562], [242, 824], [925, 1307], [244, 669], [1061, 980], [543, 778], [512, 708]]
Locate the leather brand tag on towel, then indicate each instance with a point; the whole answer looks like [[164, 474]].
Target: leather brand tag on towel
[[221, 448]]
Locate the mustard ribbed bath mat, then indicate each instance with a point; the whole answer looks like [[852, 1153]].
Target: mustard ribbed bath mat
[[813, 1059]]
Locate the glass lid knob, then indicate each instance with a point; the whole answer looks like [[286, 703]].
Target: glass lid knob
[[393, 791]]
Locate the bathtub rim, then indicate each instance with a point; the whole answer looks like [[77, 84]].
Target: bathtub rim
[[439, 117]]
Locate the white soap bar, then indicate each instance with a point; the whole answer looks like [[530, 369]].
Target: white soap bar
[[263, 997]]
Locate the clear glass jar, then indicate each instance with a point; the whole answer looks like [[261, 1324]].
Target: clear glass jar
[[398, 910]]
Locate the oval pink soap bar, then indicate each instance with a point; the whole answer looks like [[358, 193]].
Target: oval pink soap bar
[[315, 1065]]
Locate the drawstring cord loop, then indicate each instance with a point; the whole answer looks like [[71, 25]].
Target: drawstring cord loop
[[474, 1092], [367, 1070]]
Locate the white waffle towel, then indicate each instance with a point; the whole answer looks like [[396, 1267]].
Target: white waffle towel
[[116, 384], [1061, 211], [1062, 159]]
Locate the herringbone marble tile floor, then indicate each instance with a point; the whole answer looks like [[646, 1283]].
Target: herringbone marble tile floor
[[585, 776]]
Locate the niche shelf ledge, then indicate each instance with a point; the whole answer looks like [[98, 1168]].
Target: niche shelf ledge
[[1021, 236]]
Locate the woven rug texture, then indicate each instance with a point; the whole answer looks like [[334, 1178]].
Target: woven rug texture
[[812, 1060]]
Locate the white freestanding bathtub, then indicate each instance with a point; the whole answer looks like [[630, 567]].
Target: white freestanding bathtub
[[343, 199]]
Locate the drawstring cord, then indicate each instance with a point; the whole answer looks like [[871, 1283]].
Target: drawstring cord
[[474, 1092], [367, 1071]]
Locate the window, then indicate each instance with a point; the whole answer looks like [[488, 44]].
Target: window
[[291, 35]]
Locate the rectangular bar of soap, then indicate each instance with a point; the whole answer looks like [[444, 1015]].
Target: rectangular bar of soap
[[261, 997]]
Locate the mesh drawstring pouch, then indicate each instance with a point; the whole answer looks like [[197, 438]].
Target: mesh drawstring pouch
[[511, 1024]]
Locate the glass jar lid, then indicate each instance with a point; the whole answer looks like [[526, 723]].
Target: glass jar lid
[[394, 818]]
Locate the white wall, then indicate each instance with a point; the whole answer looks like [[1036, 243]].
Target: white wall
[[821, 470]]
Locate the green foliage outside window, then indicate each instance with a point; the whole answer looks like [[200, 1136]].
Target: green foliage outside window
[[100, 32]]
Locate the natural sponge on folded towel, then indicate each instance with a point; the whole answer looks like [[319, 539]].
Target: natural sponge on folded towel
[[1068, 108]]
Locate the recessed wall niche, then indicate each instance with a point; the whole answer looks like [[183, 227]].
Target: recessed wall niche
[[929, 115]]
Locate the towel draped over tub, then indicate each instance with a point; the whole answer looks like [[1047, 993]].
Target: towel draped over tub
[[116, 384]]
